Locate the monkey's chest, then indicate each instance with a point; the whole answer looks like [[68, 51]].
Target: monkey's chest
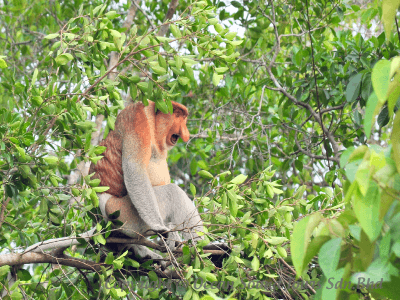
[[158, 172]]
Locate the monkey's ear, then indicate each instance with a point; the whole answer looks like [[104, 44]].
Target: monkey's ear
[[179, 109]]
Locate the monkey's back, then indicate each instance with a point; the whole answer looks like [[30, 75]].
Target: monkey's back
[[109, 168]]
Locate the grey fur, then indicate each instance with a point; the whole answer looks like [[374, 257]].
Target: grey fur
[[176, 211]]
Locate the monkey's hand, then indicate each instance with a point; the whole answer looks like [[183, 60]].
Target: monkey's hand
[[173, 240], [170, 242], [157, 230]]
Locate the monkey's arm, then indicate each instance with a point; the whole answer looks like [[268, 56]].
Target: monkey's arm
[[137, 182]]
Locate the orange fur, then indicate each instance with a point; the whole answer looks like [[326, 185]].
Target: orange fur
[[154, 132]]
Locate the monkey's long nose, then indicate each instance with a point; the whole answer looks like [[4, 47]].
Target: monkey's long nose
[[184, 133]]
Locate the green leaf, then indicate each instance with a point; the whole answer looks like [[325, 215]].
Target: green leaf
[[353, 88], [221, 70], [189, 71], [183, 80], [159, 70], [4, 270], [133, 91], [218, 28], [188, 294], [143, 86], [300, 240], [329, 255], [51, 36], [153, 276], [94, 182], [396, 140], [377, 270], [328, 45], [24, 275], [314, 247], [43, 207], [133, 30], [371, 111], [328, 292], [276, 240], [162, 61], [175, 31], [134, 78], [394, 85], [117, 34], [394, 66], [178, 61], [383, 117], [100, 239], [211, 277], [298, 164], [193, 167], [216, 78], [3, 64], [63, 59], [111, 15], [236, 4], [205, 174], [380, 79], [51, 160], [37, 100], [16, 295], [255, 263], [230, 35], [233, 208], [213, 21], [193, 189], [101, 189], [367, 209], [389, 9], [99, 149], [34, 76], [95, 159], [300, 191], [239, 179]]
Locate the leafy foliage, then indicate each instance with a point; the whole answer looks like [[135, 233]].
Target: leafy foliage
[[294, 159]]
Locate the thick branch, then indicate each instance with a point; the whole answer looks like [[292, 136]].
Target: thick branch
[[13, 259], [3, 209], [171, 11]]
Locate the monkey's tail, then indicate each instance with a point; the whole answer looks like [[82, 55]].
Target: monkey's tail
[[63, 242]]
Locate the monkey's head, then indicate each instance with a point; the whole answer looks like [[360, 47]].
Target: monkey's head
[[172, 127], [178, 128]]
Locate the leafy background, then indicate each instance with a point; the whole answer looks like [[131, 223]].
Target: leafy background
[[293, 123]]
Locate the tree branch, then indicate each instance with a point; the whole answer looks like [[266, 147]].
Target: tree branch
[[170, 13], [13, 259]]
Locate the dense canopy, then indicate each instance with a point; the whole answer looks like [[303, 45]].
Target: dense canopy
[[293, 160]]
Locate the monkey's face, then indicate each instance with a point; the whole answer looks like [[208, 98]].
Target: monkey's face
[[177, 130]]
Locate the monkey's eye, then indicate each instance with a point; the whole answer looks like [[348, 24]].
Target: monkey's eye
[[174, 138]]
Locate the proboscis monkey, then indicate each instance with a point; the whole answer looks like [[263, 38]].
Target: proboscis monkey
[[135, 168]]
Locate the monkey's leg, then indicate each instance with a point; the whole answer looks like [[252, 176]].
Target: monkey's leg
[[133, 225], [179, 210]]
